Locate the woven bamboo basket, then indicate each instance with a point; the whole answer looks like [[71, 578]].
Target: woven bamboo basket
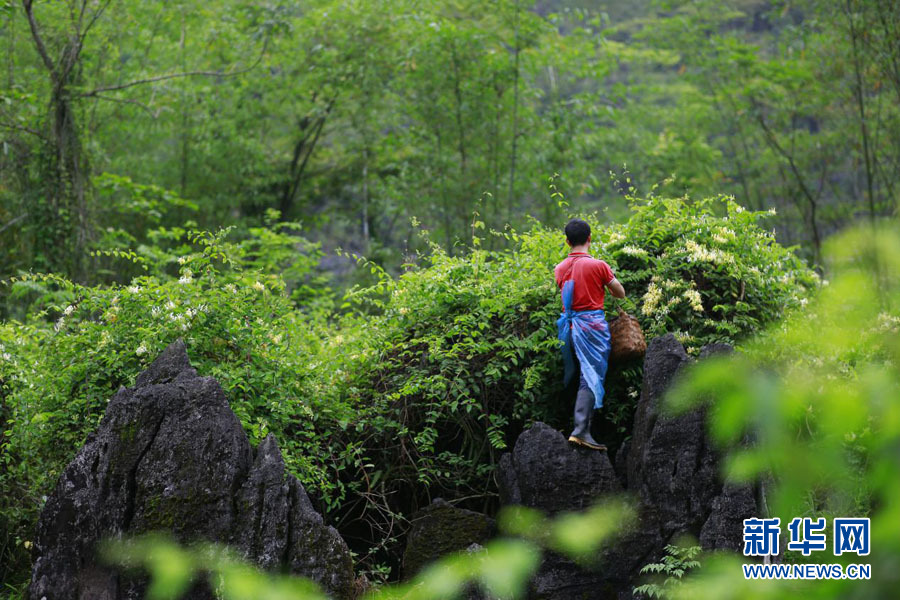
[[626, 337]]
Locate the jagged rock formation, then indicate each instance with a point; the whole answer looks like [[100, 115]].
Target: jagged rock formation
[[439, 529], [171, 455], [668, 467], [672, 466], [547, 472]]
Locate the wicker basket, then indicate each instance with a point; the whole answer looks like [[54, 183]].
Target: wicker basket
[[626, 338]]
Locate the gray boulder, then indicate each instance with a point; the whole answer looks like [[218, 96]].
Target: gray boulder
[[170, 455]]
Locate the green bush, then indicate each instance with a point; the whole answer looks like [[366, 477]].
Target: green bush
[[413, 389]]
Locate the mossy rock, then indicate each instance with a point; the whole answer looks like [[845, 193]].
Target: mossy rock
[[441, 529]]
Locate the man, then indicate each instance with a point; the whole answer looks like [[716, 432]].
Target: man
[[583, 330]]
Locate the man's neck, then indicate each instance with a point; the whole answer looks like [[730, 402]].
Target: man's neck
[[581, 248]]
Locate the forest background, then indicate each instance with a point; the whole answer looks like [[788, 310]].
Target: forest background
[[314, 192]]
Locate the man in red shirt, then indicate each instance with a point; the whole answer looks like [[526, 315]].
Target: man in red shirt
[[583, 331]]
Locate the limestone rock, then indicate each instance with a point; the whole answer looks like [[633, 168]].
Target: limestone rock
[[545, 471], [170, 455]]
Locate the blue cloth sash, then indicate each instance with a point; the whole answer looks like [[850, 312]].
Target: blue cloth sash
[[585, 334]]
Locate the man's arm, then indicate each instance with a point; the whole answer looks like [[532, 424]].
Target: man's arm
[[615, 288]]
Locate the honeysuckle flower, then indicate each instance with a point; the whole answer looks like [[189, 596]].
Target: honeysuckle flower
[[693, 296], [142, 349], [634, 251], [651, 299], [69, 310], [259, 286]]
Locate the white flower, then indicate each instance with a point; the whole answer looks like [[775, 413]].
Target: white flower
[[59, 324], [69, 310], [155, 311], [701, 253], [258, 286], [651, 299], [230, 288], [134, 289], [142, 349], [634, 251], [182, 260], [170, 305], [185, 279], [6, 356], [693, 296]]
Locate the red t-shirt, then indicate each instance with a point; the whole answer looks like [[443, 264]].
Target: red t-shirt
[[590, 275]]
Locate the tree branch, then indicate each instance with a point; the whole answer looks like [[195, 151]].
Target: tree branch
[[155, 114], [13, 222], [36, 36], [94, 18], [122, 86], [16, 127]]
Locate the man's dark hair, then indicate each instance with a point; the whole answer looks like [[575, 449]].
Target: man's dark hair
[[577, 232]]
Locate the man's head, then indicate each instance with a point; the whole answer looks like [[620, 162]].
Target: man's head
[[578, 232]]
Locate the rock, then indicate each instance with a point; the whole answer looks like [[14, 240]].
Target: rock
[[545, 471], [440, 529], [724, 528], [665, 356], [668, 466], [170, 455]]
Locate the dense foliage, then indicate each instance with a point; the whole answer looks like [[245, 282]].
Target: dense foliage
[[245, 107], [416, 387]]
